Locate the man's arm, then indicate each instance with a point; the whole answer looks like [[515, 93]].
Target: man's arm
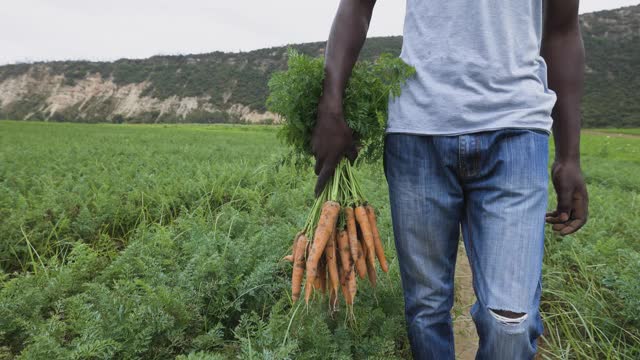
[[332, 139], [563, 50]]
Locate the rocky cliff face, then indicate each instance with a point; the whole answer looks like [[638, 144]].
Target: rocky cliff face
[[232, 87], [40, 93]]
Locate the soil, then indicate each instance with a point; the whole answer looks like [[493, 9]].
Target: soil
[[466, 338]]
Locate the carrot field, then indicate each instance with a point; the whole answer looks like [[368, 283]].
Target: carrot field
[[166, 241]]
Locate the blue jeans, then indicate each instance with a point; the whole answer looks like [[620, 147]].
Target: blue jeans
[[493, 186]]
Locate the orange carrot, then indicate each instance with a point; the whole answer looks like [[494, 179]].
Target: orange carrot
[[295, 241], [322, 276], [344, 286], [369, 264], [326, 225], [365, 227], [324, 229], [298, 267], [377, 242], [291, 258], [350, 219], [361, 265], [332, 261], [348, 284], [371, 272], [343, 251], [356, 251], [352, 286]]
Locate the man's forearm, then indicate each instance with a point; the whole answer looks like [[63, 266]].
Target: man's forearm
[[332, 139], [563, 50], [348, 33]]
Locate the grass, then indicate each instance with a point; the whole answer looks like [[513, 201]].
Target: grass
[[591, 291], [61, 183], [163, 241], [632, 131]]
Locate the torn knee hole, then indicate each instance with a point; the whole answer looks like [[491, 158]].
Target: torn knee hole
[[508, 317], [508, 314]]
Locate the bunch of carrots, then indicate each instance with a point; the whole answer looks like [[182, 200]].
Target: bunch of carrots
[[339, 241]]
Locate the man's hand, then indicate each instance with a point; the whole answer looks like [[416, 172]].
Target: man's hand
[[332, 140], [573, 200]]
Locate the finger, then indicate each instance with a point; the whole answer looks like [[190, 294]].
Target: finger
[[318, 167], [320, 184], [551, 217], [580, 207], [551, 214], [352, 153], [561, 218], [569, 227], [564, 207], [573, 226], [579, 216], [565, 199], [556, 218]]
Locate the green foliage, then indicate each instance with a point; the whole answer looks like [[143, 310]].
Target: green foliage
[[294, 94], [162, 241], [590, 280], [61, 183]]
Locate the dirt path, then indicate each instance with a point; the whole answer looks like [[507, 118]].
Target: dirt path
[[617, 135], [464, 330]]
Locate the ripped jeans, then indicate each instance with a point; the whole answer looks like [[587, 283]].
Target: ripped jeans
[[493, 186]]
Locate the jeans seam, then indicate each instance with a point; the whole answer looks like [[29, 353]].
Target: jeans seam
[[461, 156], [471, 254], [476, 158]]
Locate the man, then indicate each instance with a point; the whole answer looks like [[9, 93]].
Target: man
[[467, 147]]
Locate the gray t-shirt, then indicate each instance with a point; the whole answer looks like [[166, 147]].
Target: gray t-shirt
[[478, 68]]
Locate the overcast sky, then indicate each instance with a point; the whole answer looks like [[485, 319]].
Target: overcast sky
[[33, 30]]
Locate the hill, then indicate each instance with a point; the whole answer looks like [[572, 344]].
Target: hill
[[612, 41], [232, 87]]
